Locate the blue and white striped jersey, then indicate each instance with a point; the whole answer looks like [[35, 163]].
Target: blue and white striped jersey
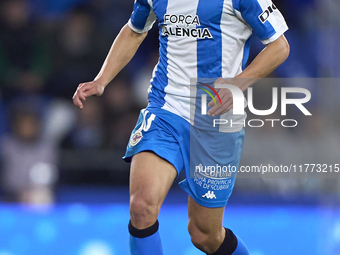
[[202, 39]]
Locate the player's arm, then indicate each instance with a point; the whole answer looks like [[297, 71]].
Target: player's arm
[[273, 55], [122, 50], [269, 25]]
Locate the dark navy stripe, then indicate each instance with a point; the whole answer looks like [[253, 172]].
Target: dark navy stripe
[[141, 11], [209, 51], [250, 11], [160, 81], [246, 53], [236, 4]]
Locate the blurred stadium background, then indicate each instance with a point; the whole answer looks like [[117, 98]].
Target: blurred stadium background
[[64, 187]]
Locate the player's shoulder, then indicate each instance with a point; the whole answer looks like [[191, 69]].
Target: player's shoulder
[[252, 4]]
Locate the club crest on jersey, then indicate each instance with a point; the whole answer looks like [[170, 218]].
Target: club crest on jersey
[[184, 26], [135, 138]]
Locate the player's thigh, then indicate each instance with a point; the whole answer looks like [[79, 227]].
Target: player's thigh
[[203, 219], [150, 179]]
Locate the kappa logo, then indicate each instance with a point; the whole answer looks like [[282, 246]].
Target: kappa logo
[[265, 15], [209, 195]]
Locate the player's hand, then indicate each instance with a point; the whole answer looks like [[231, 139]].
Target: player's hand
[[226, 98], [85, 90]]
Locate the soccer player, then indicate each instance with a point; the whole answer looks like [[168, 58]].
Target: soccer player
[[199, 39]]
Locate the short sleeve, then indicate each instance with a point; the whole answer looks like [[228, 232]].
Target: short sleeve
[[142, 17], [263, 17]]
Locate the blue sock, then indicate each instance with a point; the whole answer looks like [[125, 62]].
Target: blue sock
[[232, 245], [145, 241]]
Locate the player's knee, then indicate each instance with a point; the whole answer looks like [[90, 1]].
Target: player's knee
[[199, 240], [143, 210], [202, 239]]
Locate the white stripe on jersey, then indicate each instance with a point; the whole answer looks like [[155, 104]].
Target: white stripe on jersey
[[181, 63], [234, 35]]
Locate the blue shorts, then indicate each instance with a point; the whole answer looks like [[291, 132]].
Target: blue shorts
[[210, 159]]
